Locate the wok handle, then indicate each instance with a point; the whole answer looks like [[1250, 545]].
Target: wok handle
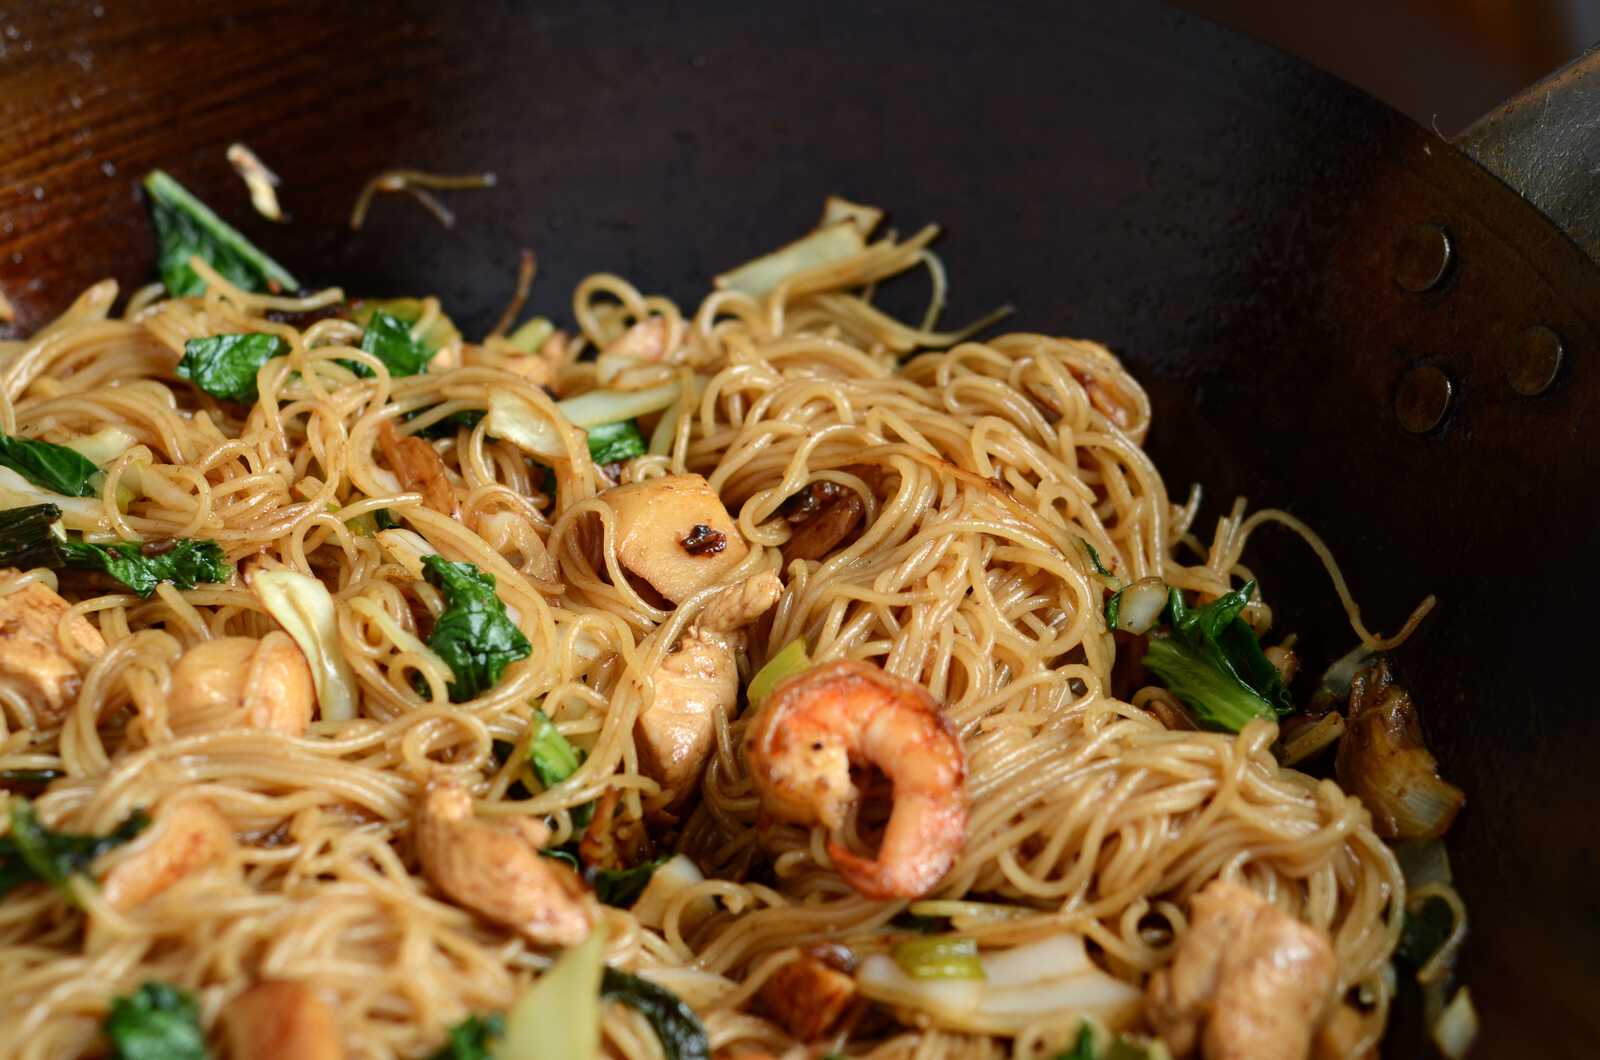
[[1545, 143]]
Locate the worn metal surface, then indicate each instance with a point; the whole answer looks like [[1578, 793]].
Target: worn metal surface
[[1545, 143], [1224, 217]]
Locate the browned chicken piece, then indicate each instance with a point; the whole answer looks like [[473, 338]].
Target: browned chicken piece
[[677, 728], [419, 468], [1249, 981], [808, 997], [739, 605], [242, 682], [277, 1019], [674, 533], [188, 835], [612, 840], [648, 340], [35, 657], [493, 867], [823, 525]]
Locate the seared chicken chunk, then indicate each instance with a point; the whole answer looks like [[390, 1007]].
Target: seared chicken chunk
[[494, 868], [242, 682], [1249, 981], [36, 649], [674, 533], [739, 605], [188, 835], [808, 997], [676, 730], [278, 1018]]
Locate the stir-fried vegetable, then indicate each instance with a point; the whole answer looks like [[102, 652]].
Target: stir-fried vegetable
[[473, 634], [550, 754], [28, 539], [610, 443], [1084, 1048], [53, 467], [558, 1017], [622, 887], [1210, 658], [30, 852], [472, 1039], [791, 660], [531, 334], [225, 366], [440, 332], [666, 883], [1136, 608], [1457, 1026], [822, 246], [939, 957], [389, 339], [514, 419], [156, 1022], [446, 426], [1384, 762], [678, 1029], [304, 608], [186, 227]]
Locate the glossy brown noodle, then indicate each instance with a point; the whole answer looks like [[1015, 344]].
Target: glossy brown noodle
[[982, 468]]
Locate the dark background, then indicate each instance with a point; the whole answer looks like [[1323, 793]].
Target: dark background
[[1442, 62]]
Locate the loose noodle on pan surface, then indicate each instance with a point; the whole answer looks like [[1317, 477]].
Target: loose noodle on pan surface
[[983, 468]]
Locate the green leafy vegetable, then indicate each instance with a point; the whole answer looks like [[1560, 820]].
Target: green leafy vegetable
[[30, 776], [679, 1030], [185, 227], [938, 957], [558, 1017], [389, 339], [1083, 1048], [157, 1022], [33, 853], [472, 1039], [28, 538], [553, 759], [186, 564], [1424, 929], [385, 520], [473, 635], [622, 887], [446, 426], [1114, 609], [610, 443], [225, 366], [1210, 659], [50, 466], [440, 332], [791, 660]]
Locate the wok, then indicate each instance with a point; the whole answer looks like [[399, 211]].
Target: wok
[[1334, 311]]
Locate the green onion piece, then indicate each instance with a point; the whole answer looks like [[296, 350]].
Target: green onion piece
[[788, 662], [938, 957]]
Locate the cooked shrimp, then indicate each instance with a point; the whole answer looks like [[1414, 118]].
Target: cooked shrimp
[[281, 1018], [816, 725], [494, 867], [242, 681]]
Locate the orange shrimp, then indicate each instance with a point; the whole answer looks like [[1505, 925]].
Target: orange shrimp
[[816, 725]]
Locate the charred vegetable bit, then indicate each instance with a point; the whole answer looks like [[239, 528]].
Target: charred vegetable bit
[[156, 1022], [472, 1039], [473, 634], [186, 227], [33, 853], [225, 366], [50, 466], [1210, 658], [704, 541], [679, 1030], [1383, 761], [28, 540]]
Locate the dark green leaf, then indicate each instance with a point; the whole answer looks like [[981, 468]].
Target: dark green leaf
[[225, 366], [186, 564], [553, 759], [185, 226], [1113, 609], [157, 1022], [622, 887], [1083, 1048], [388, 338], [922, 925], [1210, 658], [33, 853], [27, 537], [446, 426], [566, 854], [30, 776], [473, 634], [385, 520], [611, 443], [677, 1027], [472, 1039], [1423, 931], [50, 466]]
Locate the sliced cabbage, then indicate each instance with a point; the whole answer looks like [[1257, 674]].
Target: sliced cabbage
[[304, 608], [824, 246], [782, 666], [406, 547], [1457, 1026], [77, 513], [103, 446], [671, 879], [532, 335], [514, 419], [836, 210], [558, 1017]]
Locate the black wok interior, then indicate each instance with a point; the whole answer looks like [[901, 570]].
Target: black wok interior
[[1221, 215]]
